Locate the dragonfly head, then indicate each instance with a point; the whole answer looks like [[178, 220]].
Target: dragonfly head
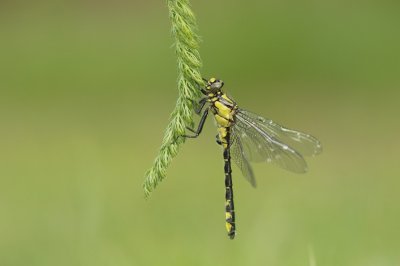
[[214, 85]]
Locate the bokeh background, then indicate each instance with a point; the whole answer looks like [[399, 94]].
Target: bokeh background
[[86, 90]]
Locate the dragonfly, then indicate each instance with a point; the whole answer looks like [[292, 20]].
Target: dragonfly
[[246, 137]]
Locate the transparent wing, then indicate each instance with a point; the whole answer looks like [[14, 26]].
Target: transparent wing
[[260, 145], [304, 143], [240, 159]]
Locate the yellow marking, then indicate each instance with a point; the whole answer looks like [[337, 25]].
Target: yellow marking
[[229, 100], [223, 110], [212, 80], [223, 122], [228, 202], [222, 132], [228, 227], [228, 216]]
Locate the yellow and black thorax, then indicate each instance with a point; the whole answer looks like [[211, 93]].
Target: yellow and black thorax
[[223, 108]]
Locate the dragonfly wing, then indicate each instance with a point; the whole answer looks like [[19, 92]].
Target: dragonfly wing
[[261, 146], [304, 143], [239, 157]]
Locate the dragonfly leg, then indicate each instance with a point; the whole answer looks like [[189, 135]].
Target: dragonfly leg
[[200, 126], [200, 105]]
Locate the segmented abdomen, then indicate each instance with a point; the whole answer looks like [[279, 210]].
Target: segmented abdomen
[[229, 205]]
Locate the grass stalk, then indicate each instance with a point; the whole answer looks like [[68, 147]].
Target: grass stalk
[[186, 43]]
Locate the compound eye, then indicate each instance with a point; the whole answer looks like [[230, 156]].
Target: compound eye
[[216, 85]]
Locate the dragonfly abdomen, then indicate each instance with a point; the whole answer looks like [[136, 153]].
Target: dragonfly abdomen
[[229, 205]]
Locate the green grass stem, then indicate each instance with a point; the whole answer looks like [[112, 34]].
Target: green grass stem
[[186, 43]]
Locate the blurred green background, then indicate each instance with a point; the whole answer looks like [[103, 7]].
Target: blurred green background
[[86, 90]]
